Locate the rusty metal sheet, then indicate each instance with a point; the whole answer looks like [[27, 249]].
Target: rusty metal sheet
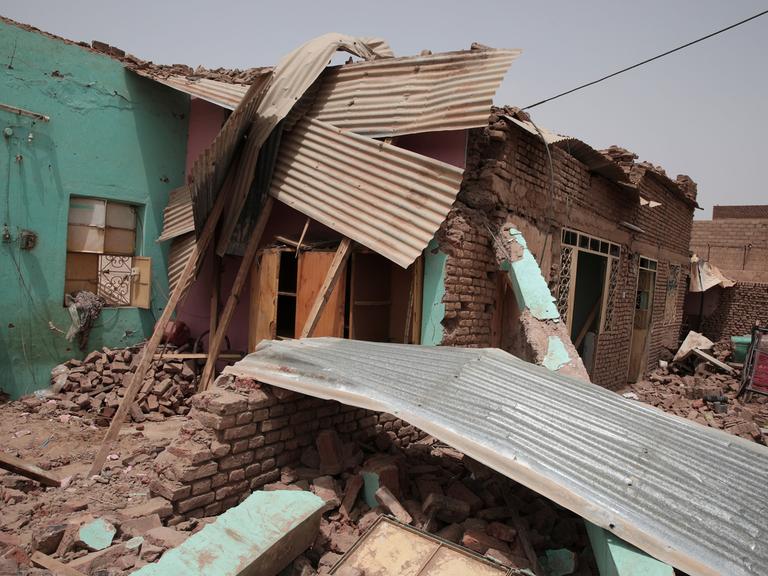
[[394, 96], [178, 218], [384, 197], [691, 496], [290, 79], [225, 94], [182, 249]]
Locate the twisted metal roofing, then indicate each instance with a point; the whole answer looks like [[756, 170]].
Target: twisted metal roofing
[[691, 496], [225, 94], [384, 197], [408, 95]]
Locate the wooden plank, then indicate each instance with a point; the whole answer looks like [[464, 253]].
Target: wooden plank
[[313, 268], [141, 285], [324, 294], [58, 568], [712, 360], [262, 323], [194, 356], [18, 466], [215, 342]]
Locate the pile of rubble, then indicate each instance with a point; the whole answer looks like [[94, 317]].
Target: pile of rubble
[[436, 489], [98, 382], [704, 394]]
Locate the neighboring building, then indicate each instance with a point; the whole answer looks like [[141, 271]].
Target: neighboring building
[[89, 154], [736, 242]]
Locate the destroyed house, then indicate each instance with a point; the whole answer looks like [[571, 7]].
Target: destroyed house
[[735, 242]]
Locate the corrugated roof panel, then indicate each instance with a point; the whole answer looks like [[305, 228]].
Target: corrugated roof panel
[[389, 97], [386, 198], [178, 217], [182, 248], [292, 76], [225, 94], [690, 495]]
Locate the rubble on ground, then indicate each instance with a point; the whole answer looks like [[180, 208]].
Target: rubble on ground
[[97, 384], [700, 392]]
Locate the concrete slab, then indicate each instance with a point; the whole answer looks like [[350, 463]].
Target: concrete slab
[[259, 537]]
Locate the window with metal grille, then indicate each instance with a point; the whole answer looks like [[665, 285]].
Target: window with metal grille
[[101, 253]]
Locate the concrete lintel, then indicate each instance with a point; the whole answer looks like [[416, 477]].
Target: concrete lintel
[[615, 557], [259, 537]]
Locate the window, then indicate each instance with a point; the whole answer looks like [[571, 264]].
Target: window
[[101, 246]]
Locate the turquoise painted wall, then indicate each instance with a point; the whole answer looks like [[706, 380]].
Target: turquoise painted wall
[[111, 135]]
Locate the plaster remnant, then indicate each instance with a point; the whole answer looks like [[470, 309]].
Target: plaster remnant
[[557, 355]]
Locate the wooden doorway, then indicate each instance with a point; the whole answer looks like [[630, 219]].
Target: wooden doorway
[[641, 327]]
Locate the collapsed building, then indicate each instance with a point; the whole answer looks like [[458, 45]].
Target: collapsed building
[[384, 205], [735, 243]]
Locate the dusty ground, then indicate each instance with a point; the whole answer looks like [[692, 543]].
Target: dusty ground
[[65, 445]]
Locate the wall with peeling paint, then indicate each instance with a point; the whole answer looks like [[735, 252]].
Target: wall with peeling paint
[[111, 135]]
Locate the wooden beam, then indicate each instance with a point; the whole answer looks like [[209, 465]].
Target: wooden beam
[[18, 466], [215, 283], [58, 568], [301, 238], [587, 324], [148, 352], [215, 341], [194, 356], [334, 272]]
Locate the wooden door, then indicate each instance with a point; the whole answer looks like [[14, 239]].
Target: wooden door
[[638, 353], [262, 323], [313, 268]]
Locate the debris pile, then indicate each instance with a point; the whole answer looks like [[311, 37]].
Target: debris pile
[[437, 489], [98, 382], [702, 392]]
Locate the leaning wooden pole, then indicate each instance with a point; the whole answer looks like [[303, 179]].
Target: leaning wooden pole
[[217, 339], [147, 354], [337, 265]]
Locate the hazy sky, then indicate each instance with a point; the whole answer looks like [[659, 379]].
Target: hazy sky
[[702, 111]]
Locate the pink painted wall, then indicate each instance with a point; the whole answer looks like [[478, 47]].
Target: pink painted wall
[[449, 147], [205, 121]]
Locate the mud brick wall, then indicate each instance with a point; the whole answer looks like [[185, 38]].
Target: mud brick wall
[[738, 309], [507, 175], [242, 433], [736, 246]]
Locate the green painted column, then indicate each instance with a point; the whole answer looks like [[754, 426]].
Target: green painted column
[[433, 307]]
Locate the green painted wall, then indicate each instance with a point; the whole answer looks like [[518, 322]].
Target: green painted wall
[[433, 307], [111, 135]]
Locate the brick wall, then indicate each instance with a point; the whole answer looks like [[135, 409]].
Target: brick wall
[[242, 433], [736, 246], [738, 309], [507, 176], [745, 211]]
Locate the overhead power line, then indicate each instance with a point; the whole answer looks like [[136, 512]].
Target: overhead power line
[[668, 52]]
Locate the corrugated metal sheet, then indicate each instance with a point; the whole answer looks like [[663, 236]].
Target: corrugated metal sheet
[[689, 495], [225, 94], [382, 98], [583, 152], [182, 249], [386, 198], [293, 75], [178, 218]]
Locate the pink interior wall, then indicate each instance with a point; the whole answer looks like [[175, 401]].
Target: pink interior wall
[[205, 121], [449, 147]]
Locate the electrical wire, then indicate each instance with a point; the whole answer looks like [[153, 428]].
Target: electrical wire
[[628, 68]]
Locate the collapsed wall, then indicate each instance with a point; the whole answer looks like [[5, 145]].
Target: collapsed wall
[[738, 308], [242, 433]]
